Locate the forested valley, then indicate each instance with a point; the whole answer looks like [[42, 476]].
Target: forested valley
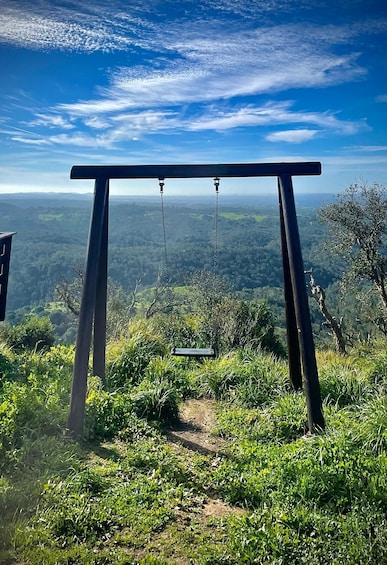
[[51, 238]]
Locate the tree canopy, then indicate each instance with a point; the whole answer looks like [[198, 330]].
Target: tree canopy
[[357, 223]]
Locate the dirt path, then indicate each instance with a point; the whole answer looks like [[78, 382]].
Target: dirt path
[[197, 419]]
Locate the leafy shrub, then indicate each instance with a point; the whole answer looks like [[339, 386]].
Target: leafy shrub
[[26, 414], [111, 414], [323, 472], [174, 372], [106, 413], [282, 421], [35, 403], [70, 513], [371, 431], [34, 333], [136, 428], [248, 324], [378, 371], [50, 370], [181, 330], [127, 360], [298, 536], [8, 366], [218, 379], [262, 379], [156, 400]]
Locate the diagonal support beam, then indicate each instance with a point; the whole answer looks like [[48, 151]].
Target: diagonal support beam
[[304, 326], [294, 359], [99, 342]]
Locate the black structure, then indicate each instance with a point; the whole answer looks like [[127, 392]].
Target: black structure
[[5, 256], [302, 359]]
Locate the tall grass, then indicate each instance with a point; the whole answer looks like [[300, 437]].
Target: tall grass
[[125, 495], [247, 378]]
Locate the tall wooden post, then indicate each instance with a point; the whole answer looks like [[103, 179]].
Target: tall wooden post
[[304, 326], [82, 352], [294, 360], [99, 342]]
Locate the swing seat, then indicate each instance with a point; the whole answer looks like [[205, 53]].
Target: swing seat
[[193, 352]]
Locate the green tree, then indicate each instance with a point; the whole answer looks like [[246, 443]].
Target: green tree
[[228, 322], [357, 222]]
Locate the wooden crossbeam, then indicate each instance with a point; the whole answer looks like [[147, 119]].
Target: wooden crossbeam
[[195, 171]]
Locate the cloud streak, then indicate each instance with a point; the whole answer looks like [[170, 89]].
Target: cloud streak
[[243, 64], [274, 113], [114, 129], [292, 136]]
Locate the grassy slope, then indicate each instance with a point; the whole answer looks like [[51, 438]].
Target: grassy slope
[[127, 494]]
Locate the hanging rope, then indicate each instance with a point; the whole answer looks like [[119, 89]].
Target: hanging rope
[[161, 185], [216, 184], [213, 329]]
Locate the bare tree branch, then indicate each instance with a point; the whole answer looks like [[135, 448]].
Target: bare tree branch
[[318, 293]]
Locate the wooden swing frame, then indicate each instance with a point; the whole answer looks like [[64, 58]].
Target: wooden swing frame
[[92, 317]]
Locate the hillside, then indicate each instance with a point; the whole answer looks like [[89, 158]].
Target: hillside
[[185, 462]]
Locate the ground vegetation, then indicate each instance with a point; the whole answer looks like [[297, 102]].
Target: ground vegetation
[[187, 461]]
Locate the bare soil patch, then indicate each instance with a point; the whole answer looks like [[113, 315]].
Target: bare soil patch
[[197, 419], [218, 509]]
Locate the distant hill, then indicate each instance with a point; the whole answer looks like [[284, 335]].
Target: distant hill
[[32, 199]]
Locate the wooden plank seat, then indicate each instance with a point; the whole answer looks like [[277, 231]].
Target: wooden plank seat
[[193, 352]]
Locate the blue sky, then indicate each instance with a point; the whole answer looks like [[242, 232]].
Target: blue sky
[[162, 81]]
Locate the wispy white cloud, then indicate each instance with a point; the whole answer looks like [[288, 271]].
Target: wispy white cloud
[[81, 140], [246, 63], [48, 25], [369, 148], [30, 140], [113, 129], [96, 122], [51, 121], [360, 161], [381, 98], [292, 135], [249, 8], [107, 133], [273, 113]]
